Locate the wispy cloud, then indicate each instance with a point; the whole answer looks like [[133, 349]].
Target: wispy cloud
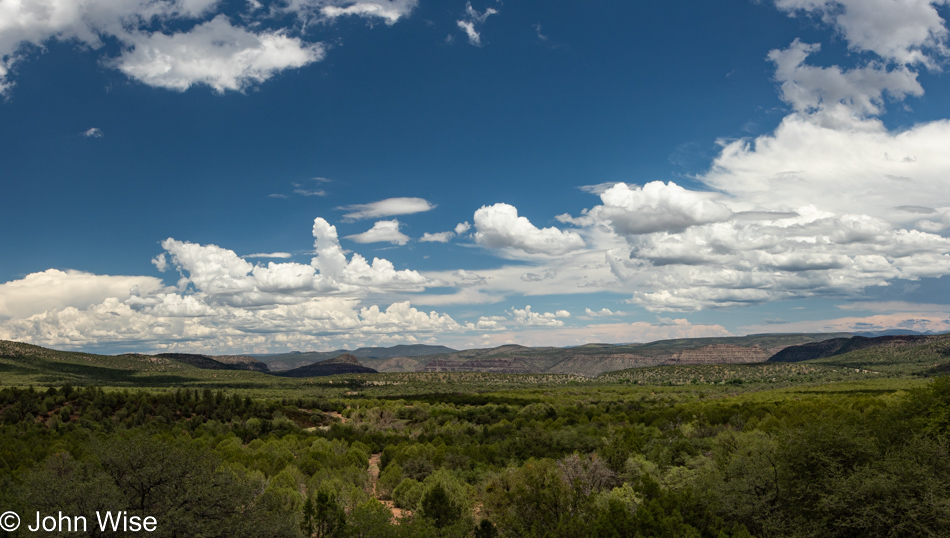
[[93, 132], [471, 19], [310, 192], [537, 29], [603, 313], [389, 207], [916, 321], [599, 188], [389, 11], [280, 255], [306, 188], [440, 237], [887, 307]]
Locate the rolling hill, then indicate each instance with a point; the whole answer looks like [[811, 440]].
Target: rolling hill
[[220, 362], [344, 364]]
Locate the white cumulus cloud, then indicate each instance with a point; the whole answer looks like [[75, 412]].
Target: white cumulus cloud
[[861, 91], [215, 53], [526, 317], [904, 31], [865, 169], [357, 272], [657, 207], [498, 226], [383, 231], [440, 237], [222, 303], [445, 237], [54, 289]]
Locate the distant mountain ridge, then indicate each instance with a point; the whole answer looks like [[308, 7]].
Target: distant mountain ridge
[[892, 332], [594, 359], [296, 359], [588, 360]]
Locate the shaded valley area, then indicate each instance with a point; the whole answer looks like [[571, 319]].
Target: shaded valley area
[[763, 435]]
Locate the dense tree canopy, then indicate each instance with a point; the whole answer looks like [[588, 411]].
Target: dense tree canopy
[[555, 461]]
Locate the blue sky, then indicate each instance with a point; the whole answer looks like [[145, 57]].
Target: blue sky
[[219, 176]]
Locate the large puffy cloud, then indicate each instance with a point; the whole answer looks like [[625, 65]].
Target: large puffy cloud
[[904, 31], [381, 275], [223, 303], [226, 278], [499, 227], [816, 208], [752, 261], [54, 289], [186, 323], [215, 53], [861, 169], [657, 207]]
